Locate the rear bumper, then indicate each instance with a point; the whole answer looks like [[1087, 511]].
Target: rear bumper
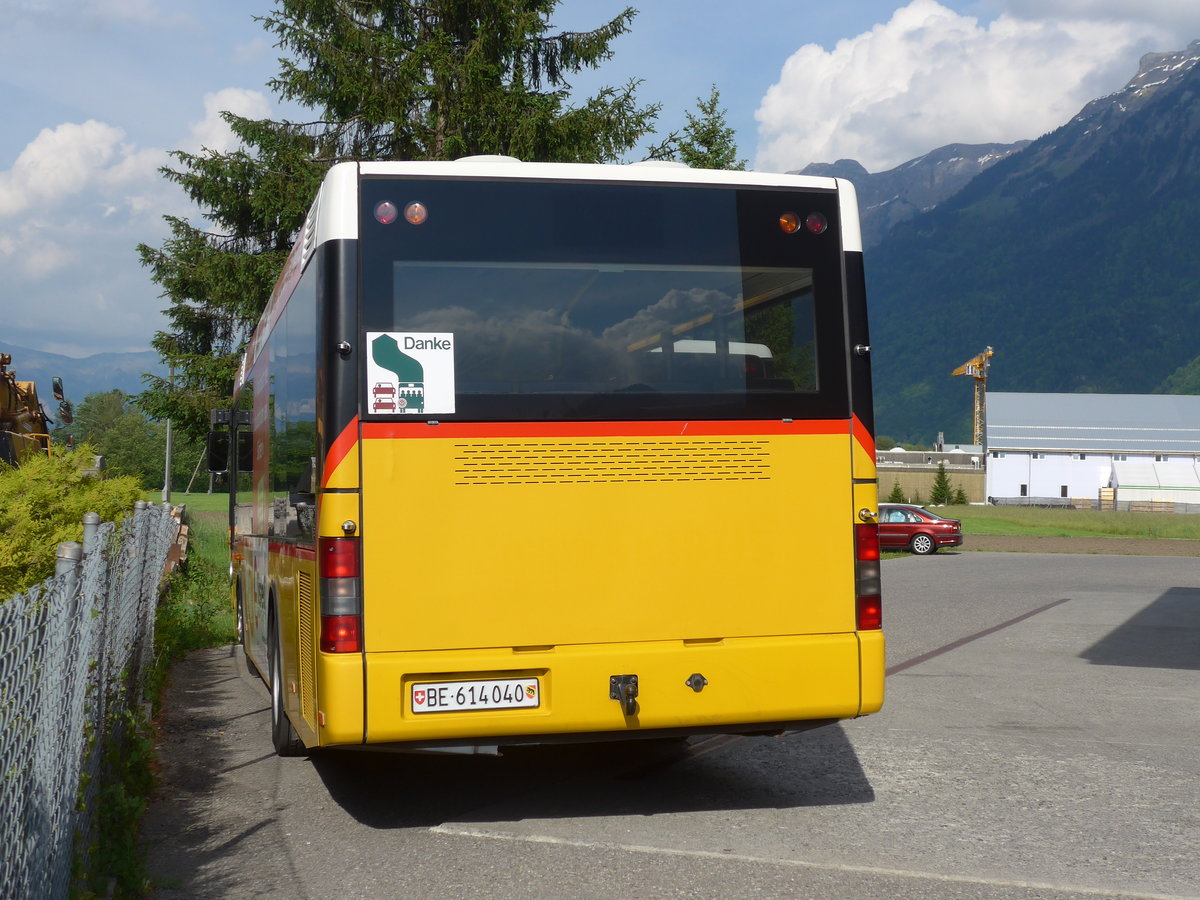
[[948, 540], [752, 684]]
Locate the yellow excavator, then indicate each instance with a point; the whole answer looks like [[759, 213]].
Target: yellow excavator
[[24, 425], [977, 368]]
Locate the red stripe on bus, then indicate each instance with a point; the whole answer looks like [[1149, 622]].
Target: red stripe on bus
[[341, 445], [452, 430], [864, 437], [308, 553]]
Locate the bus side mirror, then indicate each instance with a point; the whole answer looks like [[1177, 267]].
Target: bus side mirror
[[57, 387], [217, 449], [245, 451]]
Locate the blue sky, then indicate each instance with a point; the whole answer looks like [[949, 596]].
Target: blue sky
[[95, 92]]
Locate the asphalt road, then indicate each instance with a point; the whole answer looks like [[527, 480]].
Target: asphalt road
[[1039, 740]]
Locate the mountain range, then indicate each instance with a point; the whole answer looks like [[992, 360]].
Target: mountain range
[[886, 199], [90, 374], [1073, 255]]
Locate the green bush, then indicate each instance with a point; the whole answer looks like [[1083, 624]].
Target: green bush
[[42, 504]]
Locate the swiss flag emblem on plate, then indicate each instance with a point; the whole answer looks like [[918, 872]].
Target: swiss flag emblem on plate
[[418, 698]]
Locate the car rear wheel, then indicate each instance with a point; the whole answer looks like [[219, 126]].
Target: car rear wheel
[[922, 544]]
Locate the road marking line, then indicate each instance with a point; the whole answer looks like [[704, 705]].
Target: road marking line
[[954, 645], [452, 831]]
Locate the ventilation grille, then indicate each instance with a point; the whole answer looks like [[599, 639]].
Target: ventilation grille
[[309, 234], [308, 662], [547, 462]]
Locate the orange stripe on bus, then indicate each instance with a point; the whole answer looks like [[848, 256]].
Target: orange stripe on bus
[[462, 430], [341, 445], [864, 437]]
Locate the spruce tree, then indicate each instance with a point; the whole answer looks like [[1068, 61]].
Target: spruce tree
[[707, 141], [940, 494], [385, 80], [897, 494]]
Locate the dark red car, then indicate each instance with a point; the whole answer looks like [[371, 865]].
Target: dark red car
[[906, 527]]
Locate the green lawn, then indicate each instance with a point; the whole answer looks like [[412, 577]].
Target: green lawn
[[195, 502], [1021, 520]]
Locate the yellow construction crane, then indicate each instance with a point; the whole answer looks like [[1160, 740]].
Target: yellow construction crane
[[977, 368]]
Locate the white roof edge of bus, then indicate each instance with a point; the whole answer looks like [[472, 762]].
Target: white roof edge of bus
[[339, 221], [485, 167], [851, 227]]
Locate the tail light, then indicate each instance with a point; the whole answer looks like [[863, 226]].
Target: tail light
[[341, 594], [867, 586], [339, 634]]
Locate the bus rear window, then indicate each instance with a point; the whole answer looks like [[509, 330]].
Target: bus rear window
[[695, 320], [528, 328]]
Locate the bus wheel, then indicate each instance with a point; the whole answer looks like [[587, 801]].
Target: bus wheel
[[241, 618], [922, 544], [240, 607], [283, 735]]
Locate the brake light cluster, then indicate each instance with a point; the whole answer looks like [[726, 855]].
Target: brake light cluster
[[341, 594], [868, 589]]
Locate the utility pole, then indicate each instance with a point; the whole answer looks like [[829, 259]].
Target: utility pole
[[166, 491]]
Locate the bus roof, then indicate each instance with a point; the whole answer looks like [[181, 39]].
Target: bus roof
[[651, 171], [340, 221]]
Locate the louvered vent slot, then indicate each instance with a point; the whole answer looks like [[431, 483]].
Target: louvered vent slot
[[548, 462], [308, 661], [310, 235]]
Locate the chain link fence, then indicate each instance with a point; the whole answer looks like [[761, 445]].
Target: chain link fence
[[73, 651], [1136, 506]]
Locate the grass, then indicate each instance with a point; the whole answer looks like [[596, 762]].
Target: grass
[[205, 503], [195, 611], [1031, 521]]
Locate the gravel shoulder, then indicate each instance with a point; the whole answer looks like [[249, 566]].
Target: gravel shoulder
[[1113, 546]]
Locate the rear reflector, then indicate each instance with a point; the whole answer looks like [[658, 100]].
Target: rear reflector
[[867, 586], [340, 634], [870, 613]]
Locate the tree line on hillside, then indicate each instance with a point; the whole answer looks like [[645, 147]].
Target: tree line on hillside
[[384, 81], [112, 425]]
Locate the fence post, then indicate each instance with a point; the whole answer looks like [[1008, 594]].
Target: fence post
[[66, 562], [91, 525]]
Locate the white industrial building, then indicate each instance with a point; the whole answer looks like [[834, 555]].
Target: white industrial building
[[1064, 447]]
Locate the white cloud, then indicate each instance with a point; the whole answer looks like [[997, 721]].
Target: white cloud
[[75, 204], [57, 163], [214, 133], [930, 76]]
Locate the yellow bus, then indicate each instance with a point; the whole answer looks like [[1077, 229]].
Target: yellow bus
[[540, 452]]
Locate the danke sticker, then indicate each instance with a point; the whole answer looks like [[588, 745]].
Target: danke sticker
[[410, 373]]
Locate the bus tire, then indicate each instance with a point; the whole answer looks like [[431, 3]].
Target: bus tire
[[240, 607], [922, 544], [283, 735], [240, 613]]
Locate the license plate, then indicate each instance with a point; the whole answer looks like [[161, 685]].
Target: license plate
[[473, 696]]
